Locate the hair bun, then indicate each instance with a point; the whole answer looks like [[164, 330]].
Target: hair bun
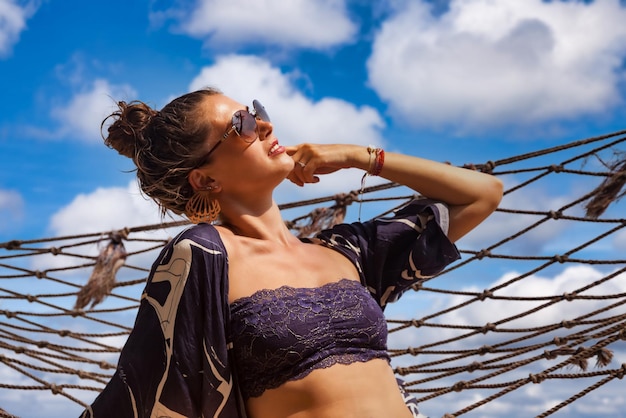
[[126, 133]]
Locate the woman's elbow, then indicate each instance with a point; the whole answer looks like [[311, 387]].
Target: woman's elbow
[[492, 193], [464, 218]]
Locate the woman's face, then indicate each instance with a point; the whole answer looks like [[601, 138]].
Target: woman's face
[[242, 161]]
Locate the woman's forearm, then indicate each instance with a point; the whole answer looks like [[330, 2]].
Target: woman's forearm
[[470, 195]]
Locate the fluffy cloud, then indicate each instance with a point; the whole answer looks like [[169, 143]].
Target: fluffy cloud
[[294, 23], [296, 118], [81, 117], [485, 63], [105, 209], [13, 18], [568, 280], [529, 400]]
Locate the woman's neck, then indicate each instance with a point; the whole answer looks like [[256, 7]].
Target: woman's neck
[[263, 222]]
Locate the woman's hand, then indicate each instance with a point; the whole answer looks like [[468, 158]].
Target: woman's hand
[[312, 160]]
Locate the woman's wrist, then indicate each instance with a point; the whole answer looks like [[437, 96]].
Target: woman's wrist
[[367, 158], [376, 160]]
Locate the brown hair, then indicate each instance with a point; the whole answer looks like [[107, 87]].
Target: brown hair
[[164, 145]]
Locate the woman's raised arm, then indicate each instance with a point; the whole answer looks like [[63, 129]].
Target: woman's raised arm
[[471, 195]]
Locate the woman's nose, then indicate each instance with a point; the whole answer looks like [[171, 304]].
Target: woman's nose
[[265, 128]]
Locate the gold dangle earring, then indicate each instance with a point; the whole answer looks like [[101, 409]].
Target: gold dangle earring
[[201, 208]]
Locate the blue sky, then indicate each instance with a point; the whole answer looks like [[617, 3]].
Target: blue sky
[[464, 81]]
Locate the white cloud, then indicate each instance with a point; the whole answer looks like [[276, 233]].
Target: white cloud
[[81, 117], [486, 63], [13, 18], [105, 209], [567, 281], [296, 118], [11, 208], [294, 23], [528, 400]]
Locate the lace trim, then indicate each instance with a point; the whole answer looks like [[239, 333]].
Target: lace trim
[[286, 291]]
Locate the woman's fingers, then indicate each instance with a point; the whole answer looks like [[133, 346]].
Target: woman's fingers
[[311, 160]]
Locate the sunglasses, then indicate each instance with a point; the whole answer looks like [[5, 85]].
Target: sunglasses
[[243, 124]]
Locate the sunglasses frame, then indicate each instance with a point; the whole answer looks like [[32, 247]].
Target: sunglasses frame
[[257, 112]]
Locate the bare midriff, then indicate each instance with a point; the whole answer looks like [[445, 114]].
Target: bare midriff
[[357, 390]]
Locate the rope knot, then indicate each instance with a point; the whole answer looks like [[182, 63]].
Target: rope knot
[[569, 296], [485, 349], [555, 214], [402, 371], [417, 323], [414, 351], [560, 340], [9, 314], [488, 327], [474, 366], [417, 286], [488, 167], [460, 386], [482, 254], [557, 168], [537, 378], [549, 355], [54, 388], [120, 235], [485, 295], [12, 245], [346, 199], [560, 258]]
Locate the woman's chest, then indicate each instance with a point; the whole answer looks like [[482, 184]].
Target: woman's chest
[[307, 266]]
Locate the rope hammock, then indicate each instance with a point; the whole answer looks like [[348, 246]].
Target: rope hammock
[[68, 303]]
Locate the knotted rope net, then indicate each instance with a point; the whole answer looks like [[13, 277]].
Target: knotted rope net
[[467, 342]]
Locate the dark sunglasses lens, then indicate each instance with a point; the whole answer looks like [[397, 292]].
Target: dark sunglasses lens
[[245, 125], [261, 113]]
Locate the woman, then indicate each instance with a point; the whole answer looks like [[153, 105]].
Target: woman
[[243, 318]]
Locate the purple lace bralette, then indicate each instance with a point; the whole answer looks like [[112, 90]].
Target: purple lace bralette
[[284, 334]]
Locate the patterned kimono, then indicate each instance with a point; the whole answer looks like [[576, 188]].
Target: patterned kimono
[[177, 361]]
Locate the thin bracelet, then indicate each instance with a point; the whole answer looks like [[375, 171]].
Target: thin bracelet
[[378, 162], [374, 167]]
